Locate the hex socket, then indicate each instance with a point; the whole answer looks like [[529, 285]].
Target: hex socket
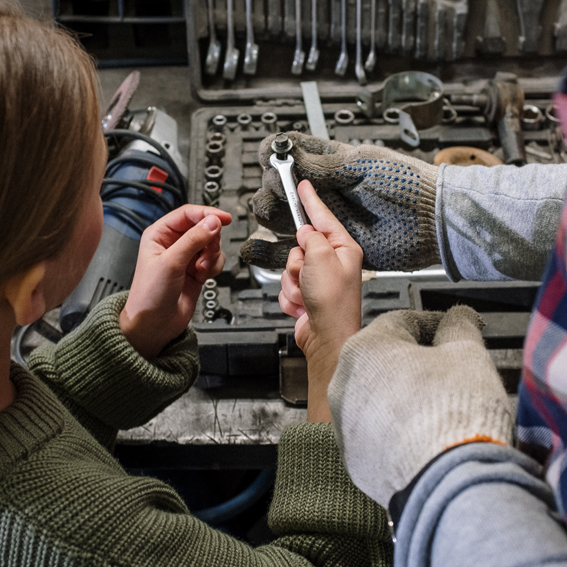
[[218, 137], [244, 120], [213, 173], [215, 152], [219, 122], [269, 120]]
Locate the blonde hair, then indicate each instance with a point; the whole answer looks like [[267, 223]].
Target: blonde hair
[[49, 122]]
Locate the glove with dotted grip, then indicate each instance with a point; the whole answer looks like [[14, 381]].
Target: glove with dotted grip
[[385, 199]]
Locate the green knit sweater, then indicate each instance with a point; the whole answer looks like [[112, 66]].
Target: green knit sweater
[[65, 501]]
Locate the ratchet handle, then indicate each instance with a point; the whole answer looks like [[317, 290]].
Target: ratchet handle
[[284, 169]]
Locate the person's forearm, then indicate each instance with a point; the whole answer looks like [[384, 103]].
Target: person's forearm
[[481, 504], [498, 223]]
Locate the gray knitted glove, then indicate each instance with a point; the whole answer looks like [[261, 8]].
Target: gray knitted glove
[[386, 201], [397, 404]]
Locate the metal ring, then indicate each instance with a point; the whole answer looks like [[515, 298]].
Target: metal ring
[[209, 294], [449, 114], [344, 116], [392, 115], [532, 117]]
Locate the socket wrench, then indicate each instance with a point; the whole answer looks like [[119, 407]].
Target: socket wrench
[[342, 63], [359, 69], [251, 53], [214, 51], [299, 55], [314, 52], [232, 54]]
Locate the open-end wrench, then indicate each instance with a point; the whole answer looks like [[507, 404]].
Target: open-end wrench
[[342, 63], [313, 52], [214, 51], [441, 20], [408, 26], [382, 24], [359, 69], [274, 19], [299, 55], [371, 60], [529, 12], [460, 14], [560, 30], [422, 32], [394, 35], [335, 21], [289, 18], [251, 53], [282, 161], [232, 54], [492, 42]]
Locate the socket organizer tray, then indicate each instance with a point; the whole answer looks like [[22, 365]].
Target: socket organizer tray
[[242, 330]]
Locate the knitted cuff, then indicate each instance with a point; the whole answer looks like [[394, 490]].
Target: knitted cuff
[[313, 492], [100, 371]]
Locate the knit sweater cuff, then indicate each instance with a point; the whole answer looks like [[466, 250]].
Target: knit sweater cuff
[[98, 369], [426, 217], [313, 492]]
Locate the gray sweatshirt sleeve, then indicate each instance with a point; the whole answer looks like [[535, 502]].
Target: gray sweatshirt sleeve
[[481, 504], [498, 223]]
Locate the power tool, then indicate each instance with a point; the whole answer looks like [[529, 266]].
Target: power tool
[[144, 180]]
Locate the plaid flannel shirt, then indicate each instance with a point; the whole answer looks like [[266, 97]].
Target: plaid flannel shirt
[[542, 410]]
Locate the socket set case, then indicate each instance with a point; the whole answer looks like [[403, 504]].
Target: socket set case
[[241, 328]]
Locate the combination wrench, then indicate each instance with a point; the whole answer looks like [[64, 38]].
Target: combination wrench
[[214, 51], [342, 63], [282, 161], [299, 55], [371, 60], [232, 54], [251, 53], [314, 52], [359, 69]]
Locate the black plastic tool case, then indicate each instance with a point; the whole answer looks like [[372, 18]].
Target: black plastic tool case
[[243, 331]]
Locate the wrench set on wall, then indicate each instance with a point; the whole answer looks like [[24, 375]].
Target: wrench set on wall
[[237, 35]]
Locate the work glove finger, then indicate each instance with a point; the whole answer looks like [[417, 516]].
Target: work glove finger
[[268, 255], [270, 210], [460, 323], [416, 327]]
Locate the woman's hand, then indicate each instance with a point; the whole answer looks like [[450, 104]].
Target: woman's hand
[[177, 254], [322, 287]]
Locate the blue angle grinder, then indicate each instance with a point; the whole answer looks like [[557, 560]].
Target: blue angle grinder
[[144, 180]]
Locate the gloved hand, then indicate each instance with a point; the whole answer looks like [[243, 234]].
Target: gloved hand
[[385, 200], [397, 403]]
